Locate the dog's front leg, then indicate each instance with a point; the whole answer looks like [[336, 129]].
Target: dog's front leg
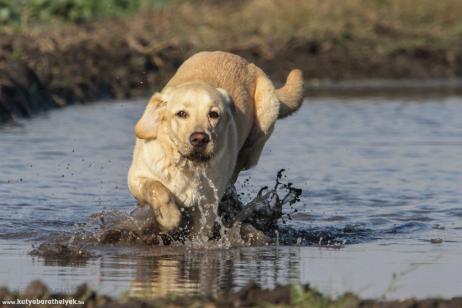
[[158, 196]]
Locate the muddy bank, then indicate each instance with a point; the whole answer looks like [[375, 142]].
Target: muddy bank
[[44, 66], [251, 295]]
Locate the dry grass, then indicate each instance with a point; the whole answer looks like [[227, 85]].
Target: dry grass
[[377, 26], [372, 26]]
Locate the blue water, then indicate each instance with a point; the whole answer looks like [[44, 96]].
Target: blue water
[[374, 171]]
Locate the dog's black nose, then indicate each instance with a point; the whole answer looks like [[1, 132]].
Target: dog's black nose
[[199, 139]]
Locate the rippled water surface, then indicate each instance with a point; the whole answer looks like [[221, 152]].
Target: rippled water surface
[[383, 175]]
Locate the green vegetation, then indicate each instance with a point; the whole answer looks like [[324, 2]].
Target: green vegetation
[[15, 12], [301, 296]]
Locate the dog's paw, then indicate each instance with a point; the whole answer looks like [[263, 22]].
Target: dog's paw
[[166, 212], [168, 216]]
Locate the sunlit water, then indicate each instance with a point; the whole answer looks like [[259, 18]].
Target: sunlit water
[[383, 175]]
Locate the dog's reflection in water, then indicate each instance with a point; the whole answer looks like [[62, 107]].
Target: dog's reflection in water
[[214, 272]]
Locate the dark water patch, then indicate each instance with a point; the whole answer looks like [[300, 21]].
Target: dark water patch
[[330, 236], [415, 218], [326, 237], [454, 212], [409, 227], [61, 254], [335, 218], [15, 234]]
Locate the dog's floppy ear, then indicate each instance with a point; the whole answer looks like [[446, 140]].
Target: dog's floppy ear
[[148, 124]]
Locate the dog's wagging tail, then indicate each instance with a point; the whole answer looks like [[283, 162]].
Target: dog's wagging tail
[[290, 96]]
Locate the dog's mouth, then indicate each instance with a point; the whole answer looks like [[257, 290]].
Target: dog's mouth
[[198, 156]]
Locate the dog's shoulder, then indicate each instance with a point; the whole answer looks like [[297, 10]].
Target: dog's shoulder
[[217, 68]]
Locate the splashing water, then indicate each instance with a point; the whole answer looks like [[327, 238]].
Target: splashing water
[[261, 221], [223, 240], [236, 225], [265, 209]]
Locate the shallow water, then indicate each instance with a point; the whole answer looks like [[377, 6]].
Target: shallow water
[[382, 175]]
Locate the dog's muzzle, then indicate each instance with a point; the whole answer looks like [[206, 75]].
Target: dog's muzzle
[[199, 151]]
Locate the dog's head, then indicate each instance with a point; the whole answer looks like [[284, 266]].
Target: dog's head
[[191, 116]]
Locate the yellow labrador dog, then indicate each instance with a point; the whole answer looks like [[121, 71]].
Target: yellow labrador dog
[[210, 121]]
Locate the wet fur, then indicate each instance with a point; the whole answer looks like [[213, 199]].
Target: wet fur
[[166, 174]]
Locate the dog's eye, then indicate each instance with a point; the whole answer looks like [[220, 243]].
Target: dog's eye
[[182, 114], [214, 115]]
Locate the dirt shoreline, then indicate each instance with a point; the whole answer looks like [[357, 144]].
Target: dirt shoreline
[[26, 88], [249, 296], [45, 66]]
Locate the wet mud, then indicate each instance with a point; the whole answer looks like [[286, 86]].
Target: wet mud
[[252, 295]]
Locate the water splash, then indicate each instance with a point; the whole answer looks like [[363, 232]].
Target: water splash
[[222, 239], [263, 211], [265, 220], [255, 223]]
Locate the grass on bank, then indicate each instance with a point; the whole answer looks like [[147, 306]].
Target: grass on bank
[[418, 21], [363, 26], [17, 12], [306, 297]]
